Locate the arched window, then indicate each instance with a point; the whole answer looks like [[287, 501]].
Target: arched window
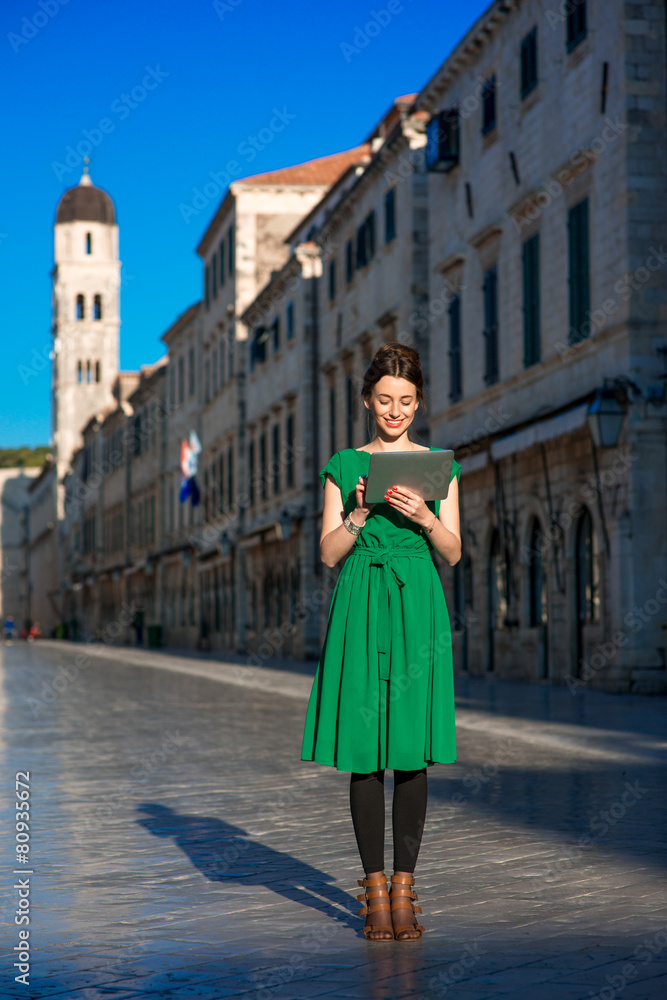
[[80, 308], [97, 371], [79, 372], [89, 243], [537, 580], [497, 583], [88, 373], [588, 571], [97, 307]]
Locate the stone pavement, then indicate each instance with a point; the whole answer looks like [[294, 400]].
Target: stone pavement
[[180, 847]]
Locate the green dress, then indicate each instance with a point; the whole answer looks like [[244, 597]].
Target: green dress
[[383, 691]]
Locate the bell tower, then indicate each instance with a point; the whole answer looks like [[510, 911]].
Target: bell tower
[[86, 313]]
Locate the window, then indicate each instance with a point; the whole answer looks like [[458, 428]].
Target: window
[[290, 320], [349, 409], [455, 380], [97, 307], [181, 379], [349, 261], [289, 449], [230, 477], [258, 346], [251, 473], [275, 329], [491, 325], [221, 257], [366, 240], [442, 140], [191, 371], [275, 432], [578, 277], [230, 359], [207, 296], [531, 300], [207, 381], [97, 371], [80, 307], [214, 275], [529, 63], [576, 24], [489, 105], [390, 215], [89, 243], [221, 482], [332, 280], [262, 464], [214, 371], [79, 372], [230, 250], [537, 579], [206, 495], [172, 382], [88, 373]]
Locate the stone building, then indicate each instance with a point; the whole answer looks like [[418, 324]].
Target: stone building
[[547, 210], [16, 597], [241, 248]]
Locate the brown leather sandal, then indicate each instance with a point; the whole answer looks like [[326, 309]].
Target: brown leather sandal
[[377, 898], [402, 897]]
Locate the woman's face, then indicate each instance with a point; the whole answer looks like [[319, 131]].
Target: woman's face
[[393, 403]]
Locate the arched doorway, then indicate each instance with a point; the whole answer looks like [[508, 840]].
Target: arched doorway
[[587, 568], [496, 594], [538, 603]]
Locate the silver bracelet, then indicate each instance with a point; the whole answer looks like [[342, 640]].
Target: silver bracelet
[[351, 526]]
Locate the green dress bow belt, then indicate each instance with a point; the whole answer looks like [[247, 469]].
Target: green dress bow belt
[[385, 587]]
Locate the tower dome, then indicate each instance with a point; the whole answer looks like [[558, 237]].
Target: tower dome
[[86, 203]]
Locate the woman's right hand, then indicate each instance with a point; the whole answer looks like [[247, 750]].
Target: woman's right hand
[[360, 490]]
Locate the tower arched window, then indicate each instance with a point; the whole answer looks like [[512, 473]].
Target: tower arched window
[[88, 372], [79, 372], [97, 371], [97, 307], [89, 243], [80, 307]]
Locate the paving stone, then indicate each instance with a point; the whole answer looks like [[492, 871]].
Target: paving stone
[[182, 849]]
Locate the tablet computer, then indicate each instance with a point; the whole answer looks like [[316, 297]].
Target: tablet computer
[[426, 473]]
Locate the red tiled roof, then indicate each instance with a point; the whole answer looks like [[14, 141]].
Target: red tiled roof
[[323, 170]]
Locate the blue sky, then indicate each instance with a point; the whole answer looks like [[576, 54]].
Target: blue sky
[[219, 71]]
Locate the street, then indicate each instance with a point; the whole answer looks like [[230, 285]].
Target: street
[[180, 847]]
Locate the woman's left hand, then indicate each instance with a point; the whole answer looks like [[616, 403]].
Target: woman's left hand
[[410, 504]]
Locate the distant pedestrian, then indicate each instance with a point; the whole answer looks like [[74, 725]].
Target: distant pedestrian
[[9, 628], [383, 692]]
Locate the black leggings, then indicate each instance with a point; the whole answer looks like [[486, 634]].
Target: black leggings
[[408, 815]]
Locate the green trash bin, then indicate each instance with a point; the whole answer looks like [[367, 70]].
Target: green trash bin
[[154, 636]]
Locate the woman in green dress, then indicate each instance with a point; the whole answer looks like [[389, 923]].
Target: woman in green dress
[[383, 692]]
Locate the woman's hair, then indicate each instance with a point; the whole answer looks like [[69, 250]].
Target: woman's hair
[[399, 361]]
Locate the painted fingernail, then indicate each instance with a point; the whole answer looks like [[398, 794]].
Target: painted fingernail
[[394, 487]]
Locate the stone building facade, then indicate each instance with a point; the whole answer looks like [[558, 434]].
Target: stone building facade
[[546, 206]]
